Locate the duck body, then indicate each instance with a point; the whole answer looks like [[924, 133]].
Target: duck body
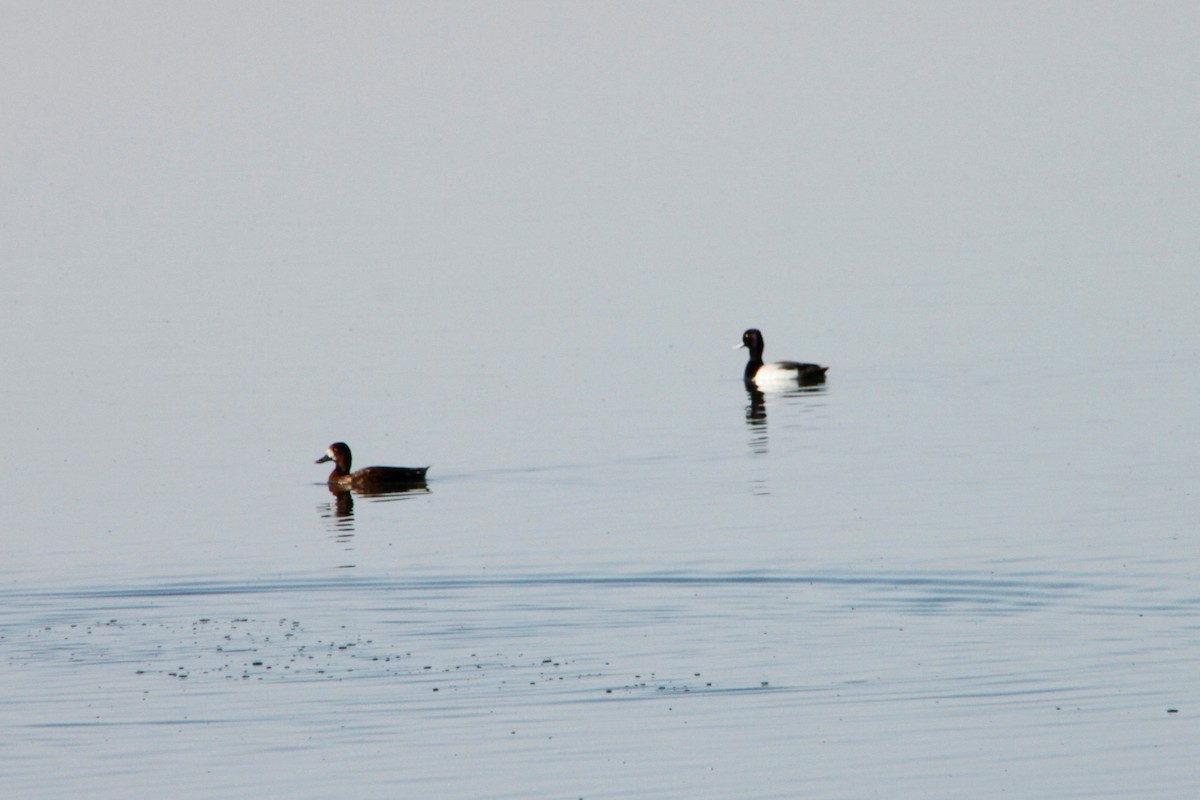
[[760, 374], [367, 478]]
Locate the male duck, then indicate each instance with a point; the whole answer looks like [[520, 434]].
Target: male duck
[[775, 373], [368, 478]]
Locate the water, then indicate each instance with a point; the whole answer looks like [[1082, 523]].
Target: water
[[964, 567]]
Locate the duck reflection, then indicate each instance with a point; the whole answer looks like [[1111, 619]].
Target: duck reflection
[[339, 515], [756, 410], [339, 512], [756, 419]]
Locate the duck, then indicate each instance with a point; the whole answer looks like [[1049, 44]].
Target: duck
[[367, 478], [775, 373]]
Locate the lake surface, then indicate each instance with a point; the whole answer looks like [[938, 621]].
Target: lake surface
[[966, 566]]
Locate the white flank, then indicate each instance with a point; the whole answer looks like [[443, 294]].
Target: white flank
[[773, 375]]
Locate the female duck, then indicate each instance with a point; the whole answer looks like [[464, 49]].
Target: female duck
[[367, 478], [775, 373]]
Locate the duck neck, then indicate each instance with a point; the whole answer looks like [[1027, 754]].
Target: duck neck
[[754, 363], [340, 470]]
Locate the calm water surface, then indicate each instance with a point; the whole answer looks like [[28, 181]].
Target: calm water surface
[[743, 597], [964, 567]]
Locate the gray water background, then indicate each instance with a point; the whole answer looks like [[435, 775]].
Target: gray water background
[[518, 242]]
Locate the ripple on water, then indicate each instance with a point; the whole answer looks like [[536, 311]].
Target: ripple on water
[[354, 663]]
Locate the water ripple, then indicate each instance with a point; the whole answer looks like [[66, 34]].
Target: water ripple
[[916, 592]]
